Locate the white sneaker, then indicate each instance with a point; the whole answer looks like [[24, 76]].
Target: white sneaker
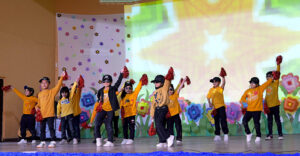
[[22, 141], [280, 138], [33, 142], [178, 142], [217, 138], [98, 142], [52, 144], [170, 140], [226, 138], [257, 140], [41, 145], [75, 142], [161, 145], [129, 142], [249, 137], [63, 141], [269, 138], [105, 140], [108, 144], [124, 141]]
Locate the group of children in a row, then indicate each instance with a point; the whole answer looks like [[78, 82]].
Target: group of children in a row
[[165, 108]]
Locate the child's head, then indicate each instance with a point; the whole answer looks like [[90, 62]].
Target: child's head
[[64, 92], [107, 80], [158, 81], [171, 89], [128, 87], [269, 75], [254, 82], [216, 81], [45, 82], [28, 91]]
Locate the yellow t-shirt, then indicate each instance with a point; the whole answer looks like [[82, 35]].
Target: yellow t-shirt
[[272, 93], [174, 106], [28, 102], [46, 100], [129, 101], [217, 97], [254, 97], [106, 104], [64, 107], [160, 97]]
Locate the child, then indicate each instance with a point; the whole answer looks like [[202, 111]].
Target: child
[[253, 98], [65, 112], [174, 109], [273, 103], [215, 99], [75, 102], [159, 108], [128, 107], [108, 103], [46, 106], [28, 119]]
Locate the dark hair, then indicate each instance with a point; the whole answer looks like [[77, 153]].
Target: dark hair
[[269, 73], [171, 86], [127, 83], [31, 90], [64, 90]]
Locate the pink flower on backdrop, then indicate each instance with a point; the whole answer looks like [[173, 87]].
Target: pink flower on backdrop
[[290, 82]]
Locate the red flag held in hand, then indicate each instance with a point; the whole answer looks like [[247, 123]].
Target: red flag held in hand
[[188, 81], [80, 82], [122, 112], [152, 130], [6, 88], [132, 81], [33, 111], [214, 112], [244, 110], [168, 115], [38, 116], [144, 79], [99, 107], [85, 125], [266, 108], [170, 75], [66, 77], [279, 59], [125, 72], [276, 75], [223, 72]]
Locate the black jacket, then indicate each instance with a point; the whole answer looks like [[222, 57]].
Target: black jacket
[[112, 94]]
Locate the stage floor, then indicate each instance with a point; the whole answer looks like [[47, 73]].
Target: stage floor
[[237, 144]]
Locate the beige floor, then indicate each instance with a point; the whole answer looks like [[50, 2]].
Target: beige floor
[[291, 144]]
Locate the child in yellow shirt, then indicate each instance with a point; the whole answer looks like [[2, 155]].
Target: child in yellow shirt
[[174, 109], [272, 101], [65, 111], [253, 98], [46, 106], [28, 118], [128, 107], [109, 103], [159, 108], [215, 100]]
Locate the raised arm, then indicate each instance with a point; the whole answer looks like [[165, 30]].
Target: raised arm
[[19, 94], [223, 82], [73, 90], [180, 86], [55, 90], [265, 85]]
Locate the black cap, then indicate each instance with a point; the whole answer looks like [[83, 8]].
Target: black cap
[[30, 89], [254, 80], [269, 73], [158, 79], [45, 78], [107, 77], [127, 83], [215, 79]]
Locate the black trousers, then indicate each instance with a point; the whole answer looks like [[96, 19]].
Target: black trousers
[[28, 122], [116, 126], [50, 122], [256, 117], [76, 126], [170, 126], [221, 118], [106, 117], [129, 122], [67, 120], [274, 111], [160, 123]]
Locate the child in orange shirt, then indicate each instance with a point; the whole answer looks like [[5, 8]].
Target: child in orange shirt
[[46, 106], [128, 107], [273, 103], [253, 98], [174, 109], [108, 103], [215, 99], [28, 119]]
